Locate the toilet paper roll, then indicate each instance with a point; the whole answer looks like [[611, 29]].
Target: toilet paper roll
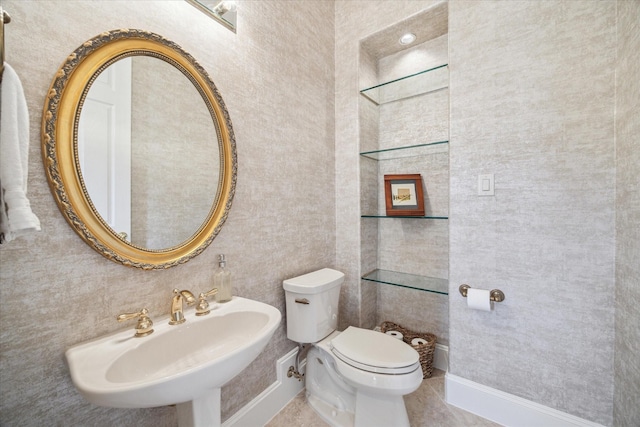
[[479, 299], [418, 341], [395, 334]]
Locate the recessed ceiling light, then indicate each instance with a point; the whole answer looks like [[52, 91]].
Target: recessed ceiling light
[[408, 38]]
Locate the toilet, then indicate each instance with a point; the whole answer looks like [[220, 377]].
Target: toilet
[[356, 377]]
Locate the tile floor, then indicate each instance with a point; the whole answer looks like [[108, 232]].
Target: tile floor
[[426, 407]]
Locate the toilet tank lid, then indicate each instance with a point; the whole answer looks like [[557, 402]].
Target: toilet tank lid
[[314, 282]]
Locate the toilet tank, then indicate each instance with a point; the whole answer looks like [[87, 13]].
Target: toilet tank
[[312, 305]]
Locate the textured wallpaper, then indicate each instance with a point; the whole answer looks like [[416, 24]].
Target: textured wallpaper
[[353, 72], [410, 246], [56, 291], [626, 410], [532, 98], [532, 101]]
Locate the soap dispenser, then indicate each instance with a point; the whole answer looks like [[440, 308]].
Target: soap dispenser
[[222, 281]]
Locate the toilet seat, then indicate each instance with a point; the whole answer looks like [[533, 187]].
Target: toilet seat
[[374, 352]]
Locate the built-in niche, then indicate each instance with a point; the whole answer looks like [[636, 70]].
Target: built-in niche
[[404, 129]]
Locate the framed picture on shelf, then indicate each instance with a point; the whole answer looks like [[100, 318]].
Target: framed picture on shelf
[[403, 195]]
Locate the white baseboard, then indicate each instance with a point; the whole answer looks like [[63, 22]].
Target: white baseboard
[[268, 403], [441, 357], [504, 408], [489, 403]]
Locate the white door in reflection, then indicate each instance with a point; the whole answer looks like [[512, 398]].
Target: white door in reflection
[[104, 145]]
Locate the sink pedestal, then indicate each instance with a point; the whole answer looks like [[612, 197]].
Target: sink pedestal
[[201, 412]]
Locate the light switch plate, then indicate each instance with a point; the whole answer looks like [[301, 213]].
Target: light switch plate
[[486, 185]]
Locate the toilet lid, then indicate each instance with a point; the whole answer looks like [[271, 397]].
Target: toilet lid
[[374, 351]]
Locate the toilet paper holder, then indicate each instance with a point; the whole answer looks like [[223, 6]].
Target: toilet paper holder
[[495, 295]]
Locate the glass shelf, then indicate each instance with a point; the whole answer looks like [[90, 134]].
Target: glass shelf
[[412, 281], [407, 151], [420, 83], [407, 216]]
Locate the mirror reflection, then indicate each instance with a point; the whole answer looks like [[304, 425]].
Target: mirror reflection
[[159, 167], [135, 114]]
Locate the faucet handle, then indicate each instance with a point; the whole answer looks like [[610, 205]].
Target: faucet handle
[[144, 326], [202, 309]]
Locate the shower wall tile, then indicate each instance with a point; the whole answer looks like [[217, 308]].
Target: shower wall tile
[[626, 411], [279, 90], [532, 101]]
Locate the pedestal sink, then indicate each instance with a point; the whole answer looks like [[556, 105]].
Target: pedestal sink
[[184, 364]]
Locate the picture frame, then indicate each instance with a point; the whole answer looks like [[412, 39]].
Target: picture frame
[[403, 195]]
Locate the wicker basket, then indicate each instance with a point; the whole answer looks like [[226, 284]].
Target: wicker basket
[[425, 350]]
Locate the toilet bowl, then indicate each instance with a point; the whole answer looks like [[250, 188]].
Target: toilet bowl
[[356, 377]]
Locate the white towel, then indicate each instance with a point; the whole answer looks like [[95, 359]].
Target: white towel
[[16, 217]]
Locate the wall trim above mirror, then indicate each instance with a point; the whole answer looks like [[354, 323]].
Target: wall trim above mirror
[[60, 123]]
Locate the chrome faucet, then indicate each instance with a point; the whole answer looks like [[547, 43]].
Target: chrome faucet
[[177, 316]]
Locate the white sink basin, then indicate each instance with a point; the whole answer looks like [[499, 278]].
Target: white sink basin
[[175, 364]]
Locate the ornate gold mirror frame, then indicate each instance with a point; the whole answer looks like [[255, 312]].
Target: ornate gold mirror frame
[[60, 154]]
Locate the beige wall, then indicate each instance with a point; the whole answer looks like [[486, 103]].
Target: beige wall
[[356, 20], [416, 246], [532, 100], [56, 291], [626, 409], [407, 245]]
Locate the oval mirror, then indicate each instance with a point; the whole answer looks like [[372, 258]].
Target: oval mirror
[[139, 149]]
